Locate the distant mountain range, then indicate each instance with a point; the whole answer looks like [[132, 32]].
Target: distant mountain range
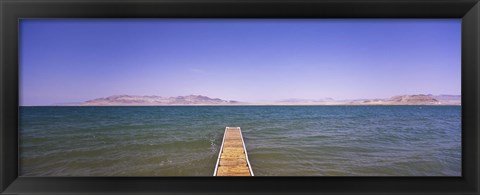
[[131, 100], [419, 99], [414, 100], [155, 100]]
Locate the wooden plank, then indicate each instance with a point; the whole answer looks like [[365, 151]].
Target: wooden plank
[[226, 162], [233, 158], [233, 170]]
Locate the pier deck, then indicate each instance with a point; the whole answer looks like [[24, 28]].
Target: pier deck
[[232, 158]]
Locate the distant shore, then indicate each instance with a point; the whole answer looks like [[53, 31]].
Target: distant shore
[[234, 105], [199, 100]]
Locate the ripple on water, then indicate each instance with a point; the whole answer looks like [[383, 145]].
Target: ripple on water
[[281, 140]]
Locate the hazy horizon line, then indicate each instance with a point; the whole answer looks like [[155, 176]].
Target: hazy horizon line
[[243, 101]]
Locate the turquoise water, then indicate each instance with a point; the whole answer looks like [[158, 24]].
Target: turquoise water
[[280, 140]]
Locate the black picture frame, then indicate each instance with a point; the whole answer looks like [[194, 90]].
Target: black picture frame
[[12, 10]]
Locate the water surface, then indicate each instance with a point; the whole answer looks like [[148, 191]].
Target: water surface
[[280, 140]]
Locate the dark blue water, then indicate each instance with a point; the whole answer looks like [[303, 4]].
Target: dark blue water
[[281, 140]]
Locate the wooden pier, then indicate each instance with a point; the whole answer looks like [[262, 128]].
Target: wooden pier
[[232, 158]]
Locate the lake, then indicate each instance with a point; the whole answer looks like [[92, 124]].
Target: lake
[[280, 140]]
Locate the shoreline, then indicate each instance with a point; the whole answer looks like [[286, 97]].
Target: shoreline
[[238, 105]]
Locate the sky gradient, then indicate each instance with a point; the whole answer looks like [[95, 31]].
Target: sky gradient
[[73, 60]]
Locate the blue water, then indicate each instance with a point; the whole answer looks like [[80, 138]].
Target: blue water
[[280, 140]]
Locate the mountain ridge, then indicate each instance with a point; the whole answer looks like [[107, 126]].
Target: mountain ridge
[[153, 100]]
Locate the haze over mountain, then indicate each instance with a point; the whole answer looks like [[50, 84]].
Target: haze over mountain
[[156, 100], [415, 100], [131, 100]]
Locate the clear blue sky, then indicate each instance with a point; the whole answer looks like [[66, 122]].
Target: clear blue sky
[[72, 60]]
